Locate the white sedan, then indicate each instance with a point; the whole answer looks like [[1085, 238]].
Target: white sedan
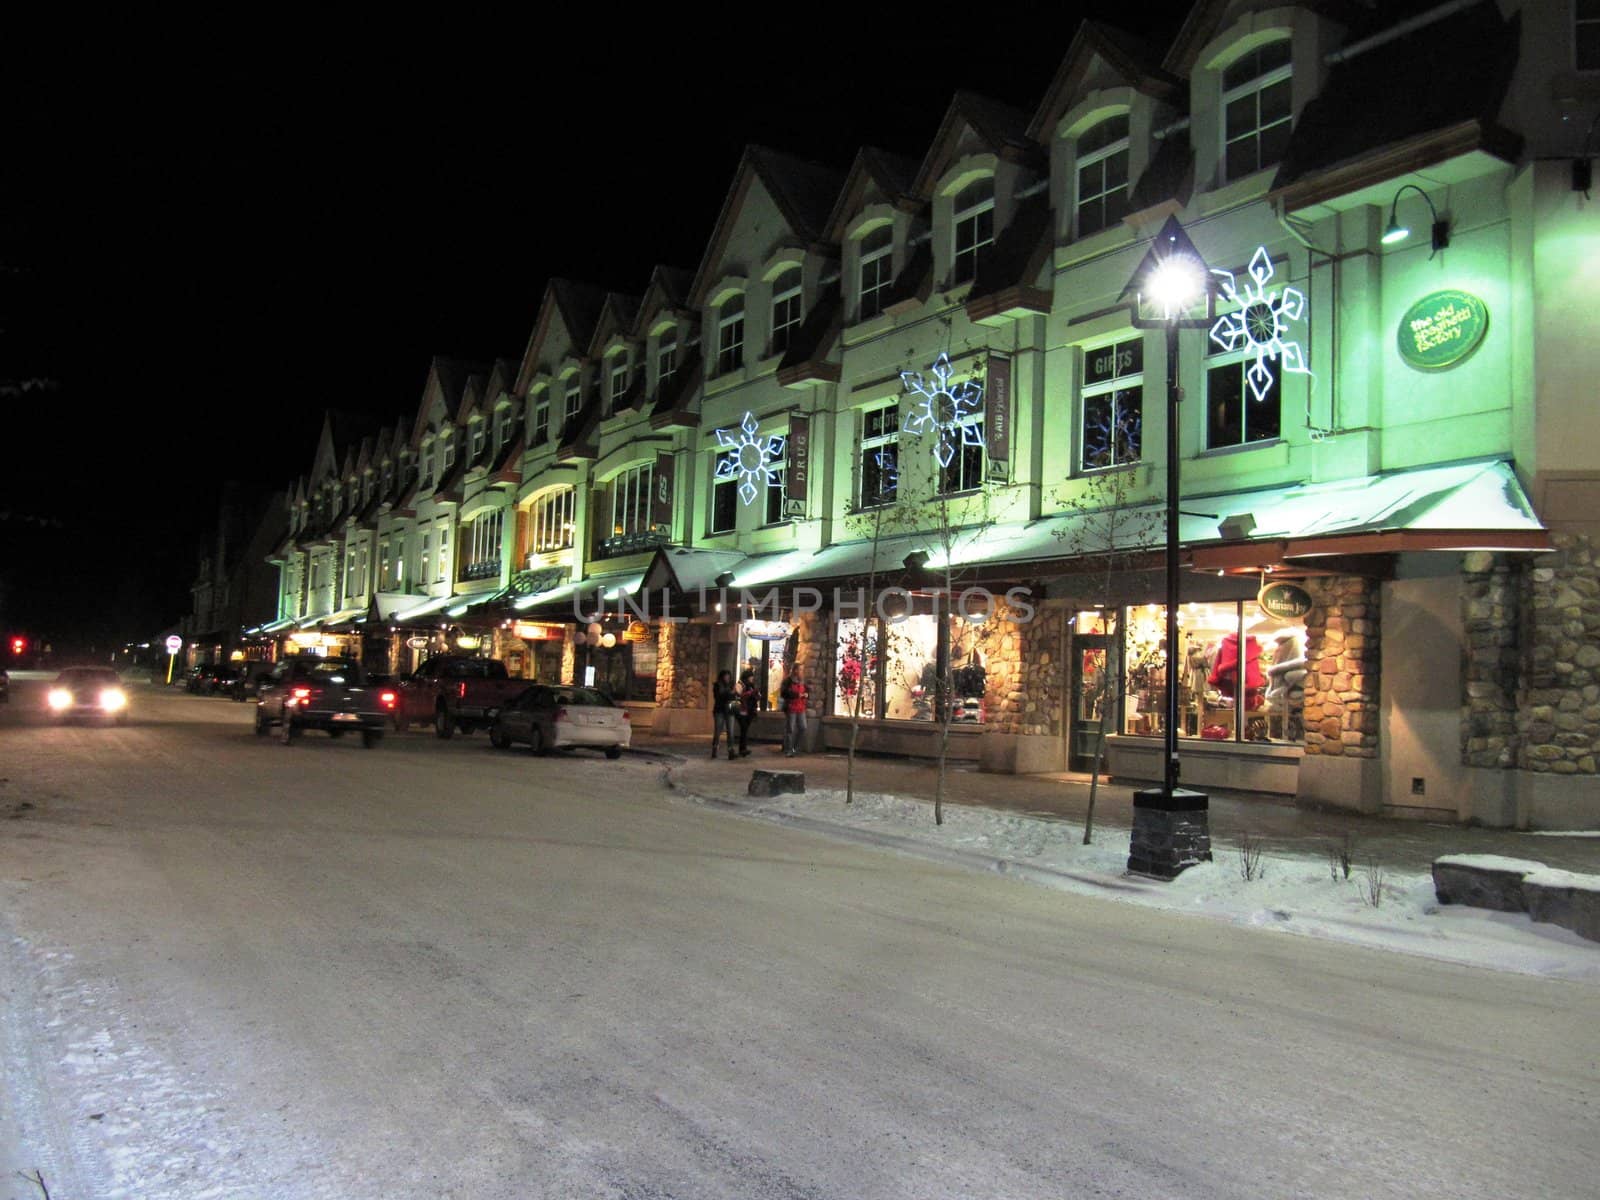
[[559, 718]]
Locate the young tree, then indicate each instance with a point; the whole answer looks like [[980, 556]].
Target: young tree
[[882, 488]]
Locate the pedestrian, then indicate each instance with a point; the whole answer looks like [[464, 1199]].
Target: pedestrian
[[749, 699], [793, 695], [724, 706]]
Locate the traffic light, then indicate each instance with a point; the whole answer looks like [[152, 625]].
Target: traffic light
[[18, 645]]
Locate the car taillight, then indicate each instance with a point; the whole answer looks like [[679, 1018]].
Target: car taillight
[[302, 693], [387, 699], [561, 714], [461, 691], [625, 714]]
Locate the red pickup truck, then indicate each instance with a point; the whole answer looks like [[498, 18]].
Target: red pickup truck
[[455, 692]]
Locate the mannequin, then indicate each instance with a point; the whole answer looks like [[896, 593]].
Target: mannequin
[[1225, 671], [1287, 672]]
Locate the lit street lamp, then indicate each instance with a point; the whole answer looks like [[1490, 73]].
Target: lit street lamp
[[1172, 290]]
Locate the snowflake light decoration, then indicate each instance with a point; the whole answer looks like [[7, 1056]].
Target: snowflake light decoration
[[1260, 324], [942, 407], [754, 459]]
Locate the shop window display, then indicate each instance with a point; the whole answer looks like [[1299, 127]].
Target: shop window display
[[1241, 674], [912, 661], [767, 659], [855, 672]]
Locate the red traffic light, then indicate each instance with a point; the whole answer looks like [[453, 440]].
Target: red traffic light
[[18, 645]]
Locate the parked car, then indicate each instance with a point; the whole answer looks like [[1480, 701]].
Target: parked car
[[88, 692], [247, 684], [191, 680], [5, 686], [330, 694], [455, 692], [217, 678], [558, 718]]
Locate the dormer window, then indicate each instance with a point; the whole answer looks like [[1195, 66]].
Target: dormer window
[[785, 309], [502, 426], [480, 438], [447, 453], [425, 469], [541, 419], [1102, 153], [877, 270], [619, 381], [574, 400], [730, 335], [666, 360], [973, 227], [1257, 109], [388, 477]]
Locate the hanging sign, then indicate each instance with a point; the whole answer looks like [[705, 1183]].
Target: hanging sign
[[795, 482], [530, 631], [1441, 329], [997, 418], [419, 643], [1286, 601], [637, 631], [767, 631], [661, 493]]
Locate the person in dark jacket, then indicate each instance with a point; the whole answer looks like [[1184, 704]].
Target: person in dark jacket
[[749, 700], [724, 704]]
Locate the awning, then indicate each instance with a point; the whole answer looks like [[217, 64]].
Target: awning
[[560, 601], [424, 609], [343, 616], [274, 626], [685, 569], [474, 603]]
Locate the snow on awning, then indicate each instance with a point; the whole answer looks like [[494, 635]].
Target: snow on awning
[[425, 609]]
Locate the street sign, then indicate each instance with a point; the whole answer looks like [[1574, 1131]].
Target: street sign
[[174, 644]]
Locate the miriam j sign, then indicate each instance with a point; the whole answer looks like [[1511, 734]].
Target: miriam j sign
[[1441, 329]]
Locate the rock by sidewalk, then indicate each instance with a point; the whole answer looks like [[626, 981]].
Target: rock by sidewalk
[[775, 783], [1483, 881], [1565, 898]]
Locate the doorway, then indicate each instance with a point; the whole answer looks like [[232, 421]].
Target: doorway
[[1093, 689]]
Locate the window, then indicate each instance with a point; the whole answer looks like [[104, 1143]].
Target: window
[[541, 420], [447, 453], [502, 426], [880, 455], [1586, 43], [630, 501], [480, 438], [385, 564], [388, 477], [725, 493], [399, 563], [1234, 417], [426, 477], [877, 270], [481, 545], [1102, 175], [1256, 99], [777, 486], [730, 335], [974, 228], [444, 552], [619, 381], [352, 585], [1113, 404], [785, 309], [574, 404], [666, 362], [552, 521], [965, 470], [355, 494], [427, 557]]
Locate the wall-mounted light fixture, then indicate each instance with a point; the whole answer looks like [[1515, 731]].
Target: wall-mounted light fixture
[[1240, 525], [1395, 232]]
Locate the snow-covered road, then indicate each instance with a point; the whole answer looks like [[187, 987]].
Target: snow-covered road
[[236, 969]]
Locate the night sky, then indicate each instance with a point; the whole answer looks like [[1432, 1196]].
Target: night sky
[[203, 247]]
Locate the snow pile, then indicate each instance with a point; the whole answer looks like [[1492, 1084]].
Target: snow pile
[[1288, 893]]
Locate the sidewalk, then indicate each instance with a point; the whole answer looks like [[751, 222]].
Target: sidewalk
[[1282, 825]]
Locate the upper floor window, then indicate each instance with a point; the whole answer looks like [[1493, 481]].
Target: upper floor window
[[447, 452], [425, 557], [482, 545], [1586, 42], [541, 419], [964, 472], [425, 476], [388, 477], [355, 493], [552, 521], [1234, 414], [666, 361], [877, 270], [1102, 175], [880, 455], [1257, 109], [785, 309], [730, 335], [630, 500], [444, 550], [725, 493], [973, 228], [1113, 404], [574, 399], [502, 425], [480, 438], [777, 488], [620, 378]]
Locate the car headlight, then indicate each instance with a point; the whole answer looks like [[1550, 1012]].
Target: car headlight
[[59, 698], [112, 699]]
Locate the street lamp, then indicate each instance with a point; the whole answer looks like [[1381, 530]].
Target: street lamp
[[1172, 290]]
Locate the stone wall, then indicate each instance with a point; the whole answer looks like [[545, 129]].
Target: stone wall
[[683, 666], [1026, 685], [814, 656], [1491, 668], [1341, 684], [1558, 704]]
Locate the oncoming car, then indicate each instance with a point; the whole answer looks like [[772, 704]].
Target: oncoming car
[[88, 692], [559, 718]]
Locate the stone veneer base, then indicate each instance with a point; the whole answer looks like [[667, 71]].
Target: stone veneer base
[[1171, 833]]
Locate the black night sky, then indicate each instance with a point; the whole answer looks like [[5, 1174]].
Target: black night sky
[[203, 247]]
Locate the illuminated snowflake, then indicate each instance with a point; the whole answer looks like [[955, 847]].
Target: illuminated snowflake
[[943, 408], [1259, 325], [753, 460]]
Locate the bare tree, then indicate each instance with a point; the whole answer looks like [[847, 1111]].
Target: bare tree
[[861, 660]]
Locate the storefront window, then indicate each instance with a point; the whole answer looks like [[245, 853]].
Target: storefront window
[[855, 672], [916, 667], [766, 657], [1240, 673]]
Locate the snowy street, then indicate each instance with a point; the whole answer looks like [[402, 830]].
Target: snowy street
[[233, 968]]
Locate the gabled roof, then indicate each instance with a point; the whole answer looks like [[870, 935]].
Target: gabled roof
[[577, 305], [803, 191], [1358, 17], [502, 379], [617, 315], [1130, 57], [668, 289], [1393, 93], [873, 169], [1003, 130], [447, 379], [471, 397]]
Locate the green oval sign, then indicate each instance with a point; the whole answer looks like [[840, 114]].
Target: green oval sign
[[1441, 329], [1284, 600]]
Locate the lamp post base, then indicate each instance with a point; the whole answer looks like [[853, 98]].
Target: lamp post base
[[1171, 832]]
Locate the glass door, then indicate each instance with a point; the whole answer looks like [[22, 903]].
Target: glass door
[[1093, 687]]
